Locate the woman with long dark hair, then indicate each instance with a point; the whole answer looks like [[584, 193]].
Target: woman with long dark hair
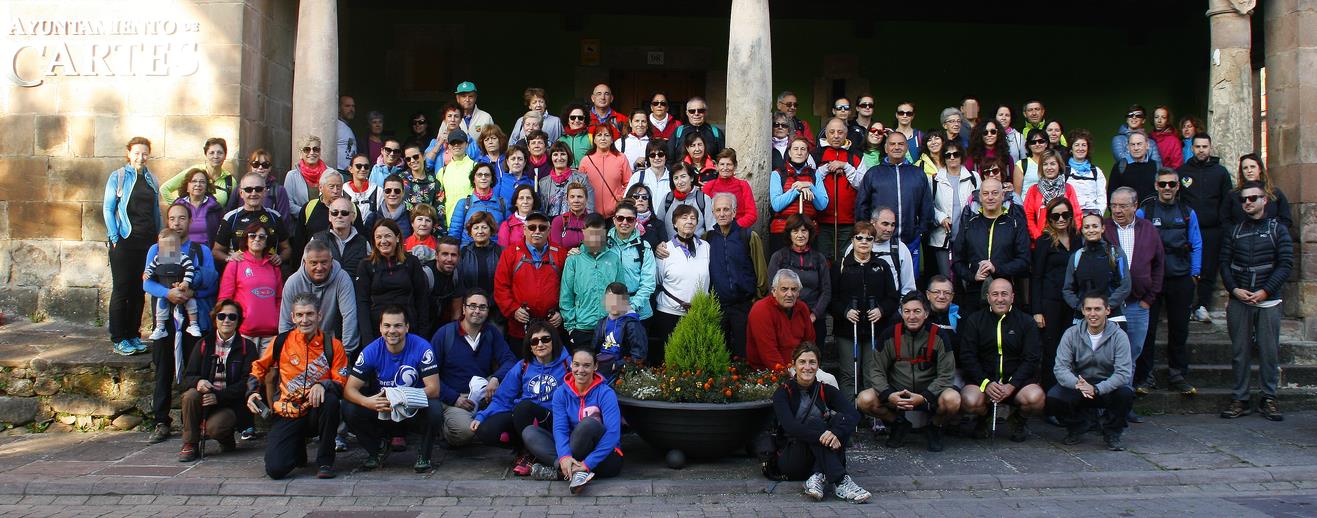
[[387, 276], [988, 140], [1005, 115], [1051, 251], [525, 398]]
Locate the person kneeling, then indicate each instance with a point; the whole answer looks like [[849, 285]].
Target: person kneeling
[[587, 429], [815, 423], [1093, 370], [302, 387], [911, 370], [395, 360], [1000, 359], [525, 399]]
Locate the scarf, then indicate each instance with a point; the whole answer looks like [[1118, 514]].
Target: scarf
[[659, 124], [1051, 189], [536, 163], [678, 195], [1085, 167], [687, 245], [567, 130], [642, 218], [560, 177], [311, 173], [483, 197], [797, 167], [780, 144]]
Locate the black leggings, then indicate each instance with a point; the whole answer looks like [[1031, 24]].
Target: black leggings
[[504, 428], [127, 262], [584, 437], [801, 458]]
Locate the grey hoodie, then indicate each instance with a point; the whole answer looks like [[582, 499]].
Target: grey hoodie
[[338, 304], [1110, 362]]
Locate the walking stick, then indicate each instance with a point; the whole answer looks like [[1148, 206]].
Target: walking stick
[[873, 345], [855, 349]]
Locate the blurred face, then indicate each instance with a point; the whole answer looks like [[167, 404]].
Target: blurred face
[[723, 212], [1138, 146], [311, 152], [318, 264], [331, 187], [896, 147], [1051, 168], [807, 367], [226, 320], [1161, 119], [991, 133], [602, 96], [198, 185], [179, 218], [1095, 312], [1251, 170], [1254, 202], [525, 201], [1122, 208], [842, 108], [835, 133], [576, 119], [726, 168], [1000, 296], [913, 314], [616, 304], [307, 318], [1202, 148], [594, 239], [1187, 129], [137, 155], [393, 194], [576, 200], [876, 133], [970, 108], [603, 139], [583, 367], [990, 195], [681, 181], [536, 103], [696, 111], [541, 345], [939, 295], [215, 155], [886, 225], [686, 224], [1134, 119], [1092, 229], [445, 258], [1053, 130], [800, 237], [1033, 112], [1060, 218], [1168, 185], [1003, 117], [786, 292], [475, 310], [392, 152], [393, 329], [788, 105], [658, 106], [253, 191], [864, 106], [537, 232], [360, 169], [385, 240], [516, 161], [467, 101], [625, 221], [905, 113], [484, 179], [481, 233], [1079, 149], [639, 124], [559, 159], [340, 214]]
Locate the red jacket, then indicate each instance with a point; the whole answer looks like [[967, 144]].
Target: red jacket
[[790, 176], [518, 281], [746, 214], [770, 335], [668, 132], [841, 194], [1035, 211], [1170, 146]]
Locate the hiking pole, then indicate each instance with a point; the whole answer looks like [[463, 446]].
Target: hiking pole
[[872, 337], [855, 348]]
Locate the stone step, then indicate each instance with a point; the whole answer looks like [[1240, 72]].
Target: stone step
[[1223, 376], [1218, 350], [1214, 400]]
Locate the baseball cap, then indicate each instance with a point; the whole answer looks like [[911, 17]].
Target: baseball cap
[[465, 87], [457, 135]]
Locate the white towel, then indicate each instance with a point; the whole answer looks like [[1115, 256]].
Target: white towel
[[477, 394], [404, 401]]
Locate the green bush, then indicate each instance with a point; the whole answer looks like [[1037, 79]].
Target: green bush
[[697, 343]]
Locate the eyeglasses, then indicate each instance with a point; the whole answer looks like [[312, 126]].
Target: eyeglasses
[[340, 213], [941, 293], [1134, 115], [841, 107], [311, 149], [477, 307], [258, 237], [990, 131], [226, 316], [951, 154], [911, 113], [658, 103], [576, 117], [1165, 185], [863, 238], [1037, 142], [624, 219], [1062, 216], [694, 111], [249, 190], [418, 122], [413, 158], [389, 150], [259, 164], [1252, 198], [658, 154], [865, 105], [361, 167], [537, 228], [1121, 205], [640, 196], [792, 104], [392, 190], [780, 125], [540, 340]]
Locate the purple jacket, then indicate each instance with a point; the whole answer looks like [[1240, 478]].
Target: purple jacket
[[1148, 263]]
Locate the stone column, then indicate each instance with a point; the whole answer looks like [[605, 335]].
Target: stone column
[[1230, 110], [315, 76], [1291, 130], [750, 97]]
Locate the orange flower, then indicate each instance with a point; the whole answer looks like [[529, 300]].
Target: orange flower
[[727, 393], [736, 377]]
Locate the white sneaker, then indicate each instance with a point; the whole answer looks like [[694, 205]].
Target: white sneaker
[[1201, 315], [158, 333], [578, 481], [193, 329], [851, 492], [814, 486]]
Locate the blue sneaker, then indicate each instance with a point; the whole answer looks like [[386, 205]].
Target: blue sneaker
[[138, 345], [125, 348]]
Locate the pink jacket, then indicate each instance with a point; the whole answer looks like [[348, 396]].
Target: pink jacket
[[510, 232], [1171, 148], [258, 287], [609, 174], [745, 198]]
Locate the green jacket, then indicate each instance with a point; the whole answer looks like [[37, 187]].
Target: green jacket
[[581, 297], [916, 370], [580, 146], [224, 186], [638, 270]]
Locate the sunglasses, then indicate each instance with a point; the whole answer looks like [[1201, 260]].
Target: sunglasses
[[624, 219], [990, 131], [537, 228], [340, 213], [863, 238], [412, 158], [658, 103], [226, 316], [361, 167], [841, 107], [877, 131], [694, 111], [575, 117], [790, 104], [780, 125], [258, 237], [389, 150], [1165, 185], [1134, 115], [311, 149], [259, 188], [865, 105], [392, 190], [260, 164], [540, 340], [951, 154], [418, 122], [903, 113], [658, 154], [1252, 198], [1062, 216], [640, 196], [1037, 142]]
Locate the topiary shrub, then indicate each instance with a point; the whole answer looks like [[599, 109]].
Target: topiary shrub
[[697, 343]]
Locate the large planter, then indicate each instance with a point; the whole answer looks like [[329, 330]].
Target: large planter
[[698, 430]]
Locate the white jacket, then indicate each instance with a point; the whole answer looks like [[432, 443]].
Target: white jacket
[[968, 182], [682, 276], [1091, 191]]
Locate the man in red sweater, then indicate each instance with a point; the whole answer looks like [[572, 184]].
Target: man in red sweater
[[778, 323], [528, 276]]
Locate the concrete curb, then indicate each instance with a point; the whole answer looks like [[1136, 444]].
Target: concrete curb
[[12, 485]]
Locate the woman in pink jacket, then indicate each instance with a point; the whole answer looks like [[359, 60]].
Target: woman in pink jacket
[[607, 169], [510, 232], [256, 284], [728, 182]]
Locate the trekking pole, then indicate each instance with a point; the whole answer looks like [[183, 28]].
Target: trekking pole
[[873, 345], [855, 348]]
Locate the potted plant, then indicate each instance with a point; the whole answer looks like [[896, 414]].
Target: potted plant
[[701, 403]]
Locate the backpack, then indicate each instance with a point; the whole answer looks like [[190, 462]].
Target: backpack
[[699, 202], [928, 350], [466, 205], [548, 257], [272, 376]]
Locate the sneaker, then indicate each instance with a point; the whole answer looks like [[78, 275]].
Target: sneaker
[[578, 481], [1236, 409], [851, 492], [372, 462], [188, 453], [814, 486], [1183, 387], [1113, 441], [157, 333], [544, 472], [422, 465], [879, 427], [250, 435], [1271, 409], [159, 434], [896, 432], [326, 472], [138, 344], [1015, 422], [194, 330], [398, 444], [1133, 417], [933, 433], [1073, 437], [1201, 315], [227, 444], [521, 466], [340, 444], [124, 348]]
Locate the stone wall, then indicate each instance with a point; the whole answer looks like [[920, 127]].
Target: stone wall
[[89, 75], [69, 397]]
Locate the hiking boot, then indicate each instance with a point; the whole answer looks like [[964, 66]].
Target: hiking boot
[[851, 492], [1236, 409], [579, 480], [398, 444], [159, 434], [1113, 441], [1271, 409], [373, 461], [326, 472], [188, 453], [814, 486], [124, 348], [1015, 423], [227, 444], [896, 432], [1073, 437], [422, 465], [983, 427], [933, 433], [521, 466], [1183, 387], [1201, 315], [544, 472]]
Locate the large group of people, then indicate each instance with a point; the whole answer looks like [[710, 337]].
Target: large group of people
[[475, 285]]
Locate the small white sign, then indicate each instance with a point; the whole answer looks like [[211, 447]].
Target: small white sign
[[654, 58]]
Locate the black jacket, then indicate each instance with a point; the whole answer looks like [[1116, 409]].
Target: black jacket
[[1020, 348], [1257, 254], [1205, 184], [1010, 246], [354, 250], [390, 282], [855, 285], [829, 400], [201, 366], [1048, 274], [1278, 208], [1141, 176], [635, 340]]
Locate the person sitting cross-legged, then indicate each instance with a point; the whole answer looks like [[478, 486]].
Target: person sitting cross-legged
[[1093, 369], [395, 360], [585, 440], [911, 370], [525, 398]]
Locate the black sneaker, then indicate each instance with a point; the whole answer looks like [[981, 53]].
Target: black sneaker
[[934, 435], [159, 434], [1271, 409], [1015, 422], [1113, 441], [1236, 409], [1073, 437], [422, 465], [1183, 387], [896, 432]]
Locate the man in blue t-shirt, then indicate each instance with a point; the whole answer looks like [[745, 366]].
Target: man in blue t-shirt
[[395, 359]]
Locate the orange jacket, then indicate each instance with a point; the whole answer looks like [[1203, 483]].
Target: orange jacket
[[301, 365]]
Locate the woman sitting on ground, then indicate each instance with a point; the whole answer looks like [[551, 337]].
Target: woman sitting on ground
[[524, 399], [585, 440]]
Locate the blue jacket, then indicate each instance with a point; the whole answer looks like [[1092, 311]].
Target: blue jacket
[[1120, 147], [458, 363], [379, 172], [507, 184], [635, 339], [528, 381], [638, 270], [205, 283], [780, 198], [731, 270], [118, 188], [495, 206], [905, 189], [568, 410]]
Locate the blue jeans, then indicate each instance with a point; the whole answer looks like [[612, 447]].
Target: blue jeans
[[1136, 326]]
